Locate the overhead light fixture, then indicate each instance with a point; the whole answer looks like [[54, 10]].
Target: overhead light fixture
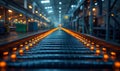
[[59, 11], [45, 1], [10, 11], [36, 11], [94, 9], [73, 6], [50, 11], [20, 15], [40, 14], [60, 8], [96, 3], [60, 3], [48, 7], [30, 6]]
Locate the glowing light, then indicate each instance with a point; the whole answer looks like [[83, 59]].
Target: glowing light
[[104, 49], [97, 46], [21, 45], [13, 56], [36, 11], [10, 11], [117, 64], [3, 64], [26, 43], [30, 6], [105, 56], [20, 15], [88, 45], [94, 9], [14, 49], [112, 14], [97, 51], [21, 51], [27, 47], [45, 1], [5, 53], [92, 48], [113, 53], [30, 44]]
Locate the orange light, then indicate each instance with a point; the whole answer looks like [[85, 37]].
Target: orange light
[[3, 64], [29, 40], [97, 46], [34, 43], [14, 49], [94, 9], [21, 45], [85, 43], [117, 64], [5, 53], [104, 49], [105, 56], [88, 45], [92, 48], [13, 56], [30, 44], [92, 43], [27, 48], [21, 51], [26, 43], [113, 53], [97, 51]]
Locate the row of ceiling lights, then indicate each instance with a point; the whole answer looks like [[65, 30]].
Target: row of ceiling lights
[[30, 7]]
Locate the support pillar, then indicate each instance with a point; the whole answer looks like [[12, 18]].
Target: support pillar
[[33, 9], [91, 17], [108, 20], [25, 4], [99, 7]]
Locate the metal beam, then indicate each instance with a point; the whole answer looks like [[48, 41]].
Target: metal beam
[[99, 7], [115, 1]]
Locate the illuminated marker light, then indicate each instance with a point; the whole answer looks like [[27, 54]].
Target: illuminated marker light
[[30, 44], [26, 43], [85, 43], [105, 57], [27, 47], [104, 49], [21, 51], [88, 45], [21, 45], [113, 54], [97, 51], [92, 48], [34, 43], [14, 49], [29, 40], [13, 56], [117, 64], [97, 46], [5, 53], [3, 64]]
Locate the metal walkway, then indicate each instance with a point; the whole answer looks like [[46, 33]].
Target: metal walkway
[[59, 51]]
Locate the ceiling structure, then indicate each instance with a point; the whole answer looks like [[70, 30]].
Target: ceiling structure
[[55, 10]]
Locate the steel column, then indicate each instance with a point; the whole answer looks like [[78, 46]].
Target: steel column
[[91, 17], [108, 20], [83, 29], [99, 7], [25, 4]]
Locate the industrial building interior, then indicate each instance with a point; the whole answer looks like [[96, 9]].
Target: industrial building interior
[[60, 35]]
